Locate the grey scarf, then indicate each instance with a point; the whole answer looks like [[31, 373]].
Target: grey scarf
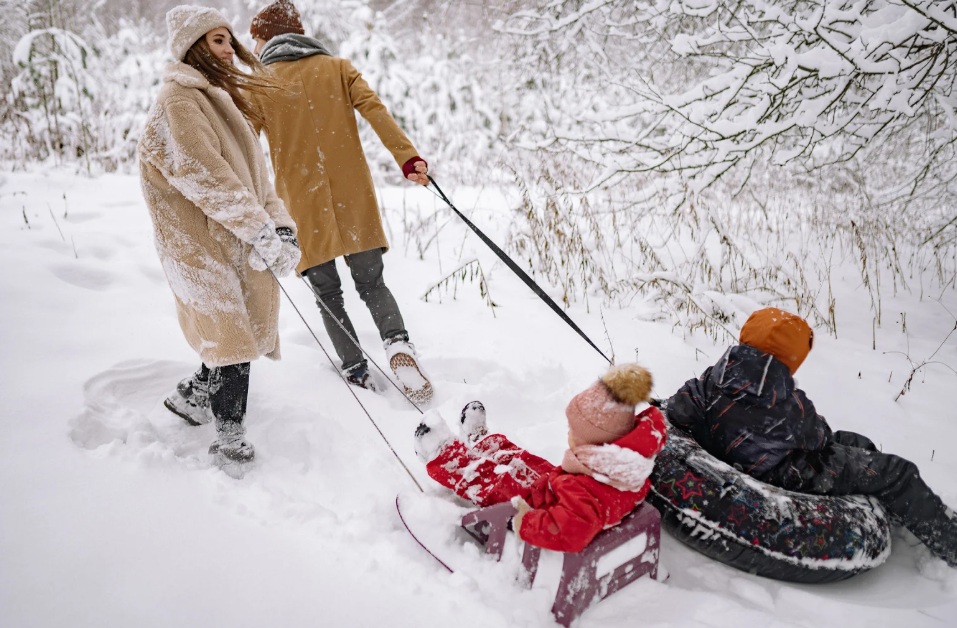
[[290, 47]]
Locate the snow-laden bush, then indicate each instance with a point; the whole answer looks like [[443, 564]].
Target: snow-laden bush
[[133, 59], [53, 96], [78, 96], [717, 155]]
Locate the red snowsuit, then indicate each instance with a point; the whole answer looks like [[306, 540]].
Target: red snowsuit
[[568, 509]]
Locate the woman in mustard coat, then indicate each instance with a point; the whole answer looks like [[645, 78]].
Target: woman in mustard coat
[[323, 177]]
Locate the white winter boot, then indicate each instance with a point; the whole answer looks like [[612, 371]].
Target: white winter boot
[[472, 426], [405, 365], [190, 401], [431, 435]]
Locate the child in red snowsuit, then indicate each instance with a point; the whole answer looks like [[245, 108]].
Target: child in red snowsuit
[[602, 478]]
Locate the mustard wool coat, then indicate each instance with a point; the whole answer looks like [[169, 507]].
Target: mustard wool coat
[[321, 170], [206, 185]]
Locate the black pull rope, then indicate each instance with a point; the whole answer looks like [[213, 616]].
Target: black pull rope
[[518, 271], [353, 392], [355, 341]]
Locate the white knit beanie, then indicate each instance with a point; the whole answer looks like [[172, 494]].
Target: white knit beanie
[[187, 23]]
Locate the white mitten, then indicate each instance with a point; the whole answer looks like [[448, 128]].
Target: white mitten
[[289, 254], [266, 248]]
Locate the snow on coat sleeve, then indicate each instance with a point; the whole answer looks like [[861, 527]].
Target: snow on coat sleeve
[[197, 169]]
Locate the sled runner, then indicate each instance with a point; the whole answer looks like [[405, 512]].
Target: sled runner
[[410, 525], [614, 559]]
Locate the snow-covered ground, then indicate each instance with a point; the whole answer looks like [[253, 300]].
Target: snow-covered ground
[[110, 514]]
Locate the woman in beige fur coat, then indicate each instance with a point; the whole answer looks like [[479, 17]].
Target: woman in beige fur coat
[[221, 231]]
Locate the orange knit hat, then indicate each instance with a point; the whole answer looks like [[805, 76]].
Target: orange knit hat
[[786, 336]]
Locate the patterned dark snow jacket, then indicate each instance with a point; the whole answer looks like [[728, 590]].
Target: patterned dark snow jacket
[[746, 411]]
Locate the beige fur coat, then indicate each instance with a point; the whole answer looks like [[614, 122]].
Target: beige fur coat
[[206, 185]]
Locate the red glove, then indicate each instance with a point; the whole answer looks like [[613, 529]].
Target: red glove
[[409, 166]]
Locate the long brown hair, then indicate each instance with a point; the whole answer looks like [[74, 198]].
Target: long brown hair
[[235, 82]]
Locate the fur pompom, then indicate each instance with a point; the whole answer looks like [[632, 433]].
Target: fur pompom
[[629, 383]]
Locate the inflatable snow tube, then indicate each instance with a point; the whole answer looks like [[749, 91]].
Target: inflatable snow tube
[[741, 522]]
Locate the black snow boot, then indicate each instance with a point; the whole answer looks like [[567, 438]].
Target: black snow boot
[[228, 394], [922, 512], [230, 444], [360, 376]]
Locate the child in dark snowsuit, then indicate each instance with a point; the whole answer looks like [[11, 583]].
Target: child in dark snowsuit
[[747, 411], [602, 478]]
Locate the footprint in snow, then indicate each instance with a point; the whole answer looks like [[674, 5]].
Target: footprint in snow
[[82, 276], [124, 415]]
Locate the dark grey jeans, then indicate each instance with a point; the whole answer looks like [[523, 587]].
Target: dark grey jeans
[[228, 390], [366, 269]]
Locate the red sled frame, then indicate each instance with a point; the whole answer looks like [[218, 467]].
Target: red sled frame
[[580, 586]]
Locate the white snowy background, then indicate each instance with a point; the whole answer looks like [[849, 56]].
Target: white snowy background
[[110, 513]]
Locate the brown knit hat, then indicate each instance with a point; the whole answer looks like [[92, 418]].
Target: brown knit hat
[[786, 336], [605, 411], [278, 18]]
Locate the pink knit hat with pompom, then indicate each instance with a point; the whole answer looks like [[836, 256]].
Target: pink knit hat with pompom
[[605, 411]]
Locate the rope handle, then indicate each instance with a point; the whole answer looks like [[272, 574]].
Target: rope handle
[[515, 268]]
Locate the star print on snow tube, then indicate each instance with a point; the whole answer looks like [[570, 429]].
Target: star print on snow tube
[[739, 521]]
